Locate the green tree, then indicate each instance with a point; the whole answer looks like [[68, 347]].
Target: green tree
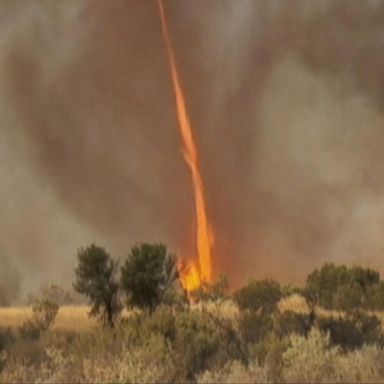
[[147, 275], [96, 279]]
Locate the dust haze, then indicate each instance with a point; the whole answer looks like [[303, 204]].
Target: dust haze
[[286, 100]]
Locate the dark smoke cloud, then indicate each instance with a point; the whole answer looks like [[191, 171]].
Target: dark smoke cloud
[[285, 98]]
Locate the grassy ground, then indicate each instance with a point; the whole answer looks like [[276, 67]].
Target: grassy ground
[[176, 346], [68, 317], [75, 317]]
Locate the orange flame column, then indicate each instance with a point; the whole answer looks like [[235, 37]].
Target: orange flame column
[[204, 231]]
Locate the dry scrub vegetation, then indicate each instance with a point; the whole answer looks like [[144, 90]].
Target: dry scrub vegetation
[[202, 343], [326, 331]]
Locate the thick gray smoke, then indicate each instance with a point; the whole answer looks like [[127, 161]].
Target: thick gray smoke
[[286, 101]]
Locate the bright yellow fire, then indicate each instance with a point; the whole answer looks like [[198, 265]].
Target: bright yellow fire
[[189, 276], [204, 241]]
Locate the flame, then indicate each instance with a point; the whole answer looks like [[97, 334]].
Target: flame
[[204, 236], [189, 276]]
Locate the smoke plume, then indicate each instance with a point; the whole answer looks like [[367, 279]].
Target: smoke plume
[[285, 97]]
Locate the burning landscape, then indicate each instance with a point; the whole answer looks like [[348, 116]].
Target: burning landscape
[[193, 275], [191, 191]]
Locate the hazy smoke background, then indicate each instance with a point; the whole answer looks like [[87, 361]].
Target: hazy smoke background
[[286, 98]]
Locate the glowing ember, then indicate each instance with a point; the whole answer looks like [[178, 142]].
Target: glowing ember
[[204, 240]]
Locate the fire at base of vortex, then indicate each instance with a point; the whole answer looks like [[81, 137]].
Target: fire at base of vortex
[[191, 275]]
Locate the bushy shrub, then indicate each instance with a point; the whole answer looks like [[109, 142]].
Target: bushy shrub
[[258, 304], [314, 359], [259, 296], [197, 340], [309, 359], [44, 314], [289, 322], [364, 365], [53, 293], [216, 291], [201, 344], [268, 354], [235, 372], [148, 362], [341, 288], [352, 331], [253, 326], [142, 325], [375, 297]]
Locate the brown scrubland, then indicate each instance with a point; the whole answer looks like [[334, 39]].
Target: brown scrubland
[[144, 327], [191, 344]]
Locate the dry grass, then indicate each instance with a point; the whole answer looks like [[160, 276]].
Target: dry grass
[[226, 309], [295, 303], [14, 316], [69, 317], [75, 317]]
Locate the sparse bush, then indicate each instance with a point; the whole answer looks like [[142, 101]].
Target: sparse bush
[[96, 279], [44, 314], [53, 293]]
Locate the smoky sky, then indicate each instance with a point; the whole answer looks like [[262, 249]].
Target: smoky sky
[[285, 99]]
